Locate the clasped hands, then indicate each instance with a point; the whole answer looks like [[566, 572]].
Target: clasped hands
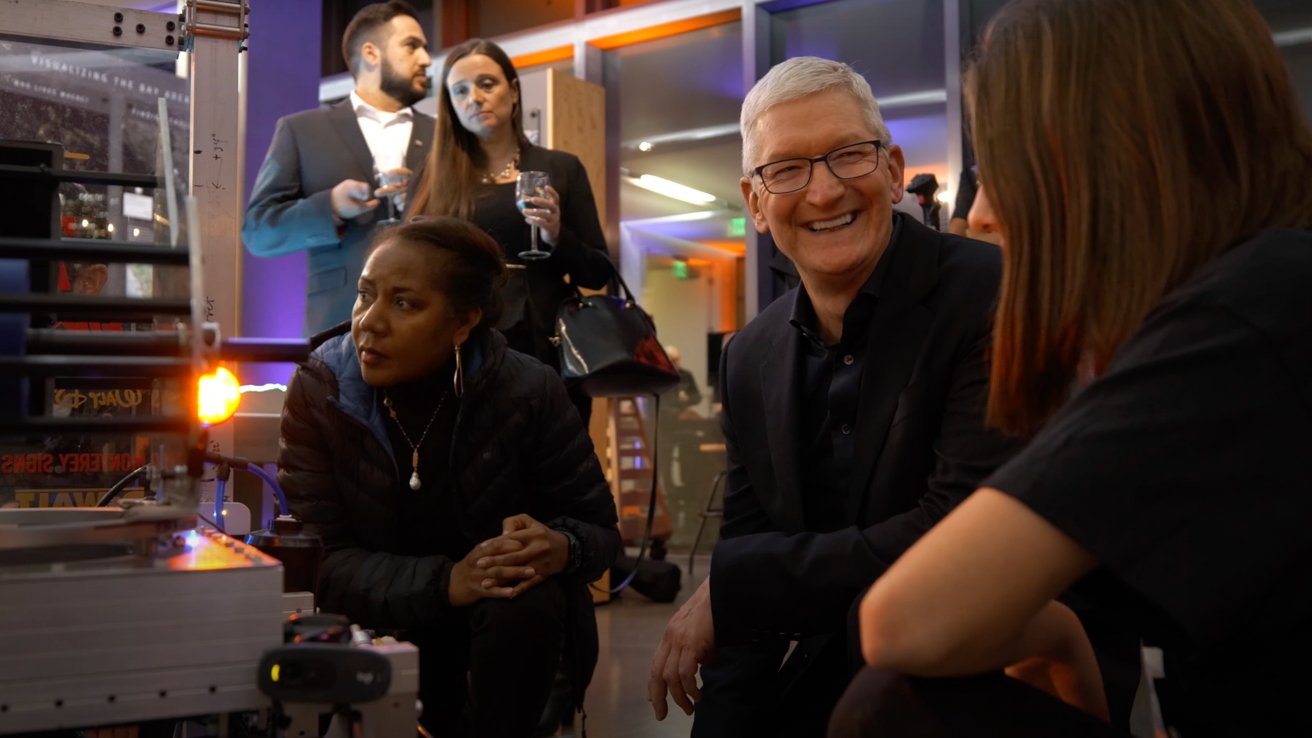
[[526, 553]]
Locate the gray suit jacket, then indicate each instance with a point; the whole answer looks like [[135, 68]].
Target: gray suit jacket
[[290, 208]]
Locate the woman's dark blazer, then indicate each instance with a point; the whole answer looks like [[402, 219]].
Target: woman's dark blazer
[[579, 252]]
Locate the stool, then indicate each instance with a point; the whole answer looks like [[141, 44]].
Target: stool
[[709, 510]]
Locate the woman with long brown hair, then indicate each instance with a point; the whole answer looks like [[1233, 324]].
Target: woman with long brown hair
[[1149, 171], [480, 151]]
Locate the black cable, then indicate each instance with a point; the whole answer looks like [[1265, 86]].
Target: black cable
[[121, 485], [651, 502], [250, 467]]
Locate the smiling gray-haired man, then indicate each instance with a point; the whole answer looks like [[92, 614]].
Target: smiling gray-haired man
[[853, 410]]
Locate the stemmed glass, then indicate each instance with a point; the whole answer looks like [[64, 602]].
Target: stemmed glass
[[531, 184], [386, 176]]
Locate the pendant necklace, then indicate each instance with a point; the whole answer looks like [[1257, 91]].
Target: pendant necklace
[[505, 172], [415, 484]]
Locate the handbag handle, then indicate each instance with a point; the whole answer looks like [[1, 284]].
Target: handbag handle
[[614, 285], [624, 286]]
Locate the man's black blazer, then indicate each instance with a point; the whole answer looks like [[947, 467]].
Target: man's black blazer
[[921, 442], [291, 205]]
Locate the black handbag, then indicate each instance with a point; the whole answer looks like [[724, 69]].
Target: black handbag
[[608, 347]]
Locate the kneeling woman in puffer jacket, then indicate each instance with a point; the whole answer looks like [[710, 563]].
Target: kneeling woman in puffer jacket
[[457, 493]]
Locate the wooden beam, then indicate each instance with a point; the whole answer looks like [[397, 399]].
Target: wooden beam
[[458, 21], [546, 56]]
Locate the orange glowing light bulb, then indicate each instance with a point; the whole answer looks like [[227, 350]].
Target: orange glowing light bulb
[[218, 394]]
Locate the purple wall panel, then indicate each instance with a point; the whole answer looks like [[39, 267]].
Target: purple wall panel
[[283, 78]]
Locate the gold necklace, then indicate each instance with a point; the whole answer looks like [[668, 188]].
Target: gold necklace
[[506, 171], [415, 484]]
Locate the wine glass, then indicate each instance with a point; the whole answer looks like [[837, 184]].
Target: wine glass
[[531, 184], [385, 175]]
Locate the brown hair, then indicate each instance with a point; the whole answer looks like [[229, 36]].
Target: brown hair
[[467, 264], [1125, 143], [457, 160], [364, 27]]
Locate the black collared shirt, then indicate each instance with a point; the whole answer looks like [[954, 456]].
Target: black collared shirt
[[830, 396]]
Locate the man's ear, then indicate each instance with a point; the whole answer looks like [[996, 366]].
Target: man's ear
[[897, 167], [753, 200], [370, 54]]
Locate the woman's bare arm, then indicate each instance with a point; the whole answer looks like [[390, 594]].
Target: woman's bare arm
[[975, 594]]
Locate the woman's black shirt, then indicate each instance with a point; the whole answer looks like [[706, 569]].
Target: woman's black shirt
[[1184, 470]]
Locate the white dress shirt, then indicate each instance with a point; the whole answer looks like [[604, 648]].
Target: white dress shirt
[[388, 134]]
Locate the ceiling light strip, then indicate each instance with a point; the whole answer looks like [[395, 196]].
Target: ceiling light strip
[[1293, 37], [612, 23], [691, 134], [926, 97], [672, 189]]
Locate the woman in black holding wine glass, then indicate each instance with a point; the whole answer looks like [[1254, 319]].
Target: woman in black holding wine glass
[[478, 161]]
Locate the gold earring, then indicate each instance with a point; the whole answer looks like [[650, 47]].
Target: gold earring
[[458, 379]]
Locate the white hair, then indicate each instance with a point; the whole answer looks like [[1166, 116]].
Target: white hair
[[800, 77]]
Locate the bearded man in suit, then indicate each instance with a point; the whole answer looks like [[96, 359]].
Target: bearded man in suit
[[316, 190]]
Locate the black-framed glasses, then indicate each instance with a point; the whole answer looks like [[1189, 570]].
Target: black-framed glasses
[[974, 171], [846, 162]]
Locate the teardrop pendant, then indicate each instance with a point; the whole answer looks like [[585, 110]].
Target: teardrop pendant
[[414, 465], [415, 484]]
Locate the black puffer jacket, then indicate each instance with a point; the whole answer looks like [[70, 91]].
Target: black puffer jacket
[[518, 447]]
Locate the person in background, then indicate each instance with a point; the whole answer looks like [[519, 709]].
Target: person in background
[[458, 497], [852, 411], [315, 191], [686, 395], [679, 437], [1155, 328], [471, 173]]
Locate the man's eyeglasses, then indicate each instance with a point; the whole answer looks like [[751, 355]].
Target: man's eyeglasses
[[846, 162]]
